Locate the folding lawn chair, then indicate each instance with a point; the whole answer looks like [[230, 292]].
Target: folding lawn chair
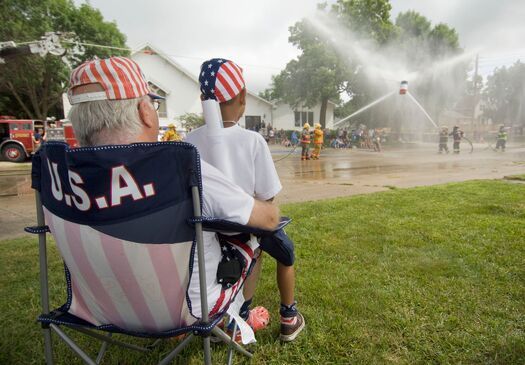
[[127, 222]]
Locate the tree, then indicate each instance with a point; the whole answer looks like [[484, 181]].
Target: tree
[[320, 73], [35, 83], [191, 120], [504, 95], [366, 18], [316, 76], [424, 50]]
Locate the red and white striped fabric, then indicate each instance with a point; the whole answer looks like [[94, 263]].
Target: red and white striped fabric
[[120, 77], [229, 81], [221, 79], [137, 287]]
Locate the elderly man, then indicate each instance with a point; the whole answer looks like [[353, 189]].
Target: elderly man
[[112, 104]]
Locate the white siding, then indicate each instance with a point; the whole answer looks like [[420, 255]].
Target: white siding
[[257, 107], [283, 116], [183, 94], [182, 89]]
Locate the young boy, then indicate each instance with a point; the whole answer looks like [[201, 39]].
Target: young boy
[[318, 141], [246, 159]]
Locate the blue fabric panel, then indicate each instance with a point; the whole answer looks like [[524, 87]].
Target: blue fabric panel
[[62, 317], [162, 173]]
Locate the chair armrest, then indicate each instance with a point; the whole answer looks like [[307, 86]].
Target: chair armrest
[[221, 225]]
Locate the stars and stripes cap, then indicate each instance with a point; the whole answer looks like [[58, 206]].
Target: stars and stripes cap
[[220, 79], [120, 77]]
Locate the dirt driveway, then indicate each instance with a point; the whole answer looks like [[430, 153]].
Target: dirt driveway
[[337, 173]]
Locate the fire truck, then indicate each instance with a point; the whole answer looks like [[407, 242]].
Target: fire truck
[[17, 142]]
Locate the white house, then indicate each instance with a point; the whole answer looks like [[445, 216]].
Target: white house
[[180, 87], [286, 118]]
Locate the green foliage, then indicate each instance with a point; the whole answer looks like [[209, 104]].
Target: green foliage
[[504, 95], [316, 76], [431, 275], [322, 73], [412, 25], [192, 120], [36, 84], [319, 73], [516, 177], [366, 18]]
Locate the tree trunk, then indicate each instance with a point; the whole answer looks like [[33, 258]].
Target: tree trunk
[[19, 99], [322, 114]]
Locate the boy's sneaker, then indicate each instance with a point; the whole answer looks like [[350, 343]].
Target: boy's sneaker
[[291, 327]]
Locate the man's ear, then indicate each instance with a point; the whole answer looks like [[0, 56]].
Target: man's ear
[[242, 97], [146, 113]]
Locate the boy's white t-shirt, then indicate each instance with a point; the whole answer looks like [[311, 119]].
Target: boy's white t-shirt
[[221, 199], [243, 156]]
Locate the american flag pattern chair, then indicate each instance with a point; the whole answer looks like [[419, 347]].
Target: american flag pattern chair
[[127, 222]]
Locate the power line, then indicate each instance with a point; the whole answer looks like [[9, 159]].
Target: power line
[[167, 54]]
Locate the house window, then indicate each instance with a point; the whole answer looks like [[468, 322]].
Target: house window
[[252, 122], [297, 118], [302, 117], [163, 111]]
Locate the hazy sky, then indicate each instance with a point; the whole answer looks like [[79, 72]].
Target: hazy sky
[[255, 33]]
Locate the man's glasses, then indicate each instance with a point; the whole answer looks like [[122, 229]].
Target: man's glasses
[[156, 103]]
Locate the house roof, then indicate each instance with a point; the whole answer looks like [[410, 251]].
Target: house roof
[[172, 62]]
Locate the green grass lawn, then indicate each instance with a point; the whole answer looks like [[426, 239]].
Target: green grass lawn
[[432, 275], [516, 177]]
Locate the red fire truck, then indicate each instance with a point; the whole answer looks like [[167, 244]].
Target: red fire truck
[[16, 136]]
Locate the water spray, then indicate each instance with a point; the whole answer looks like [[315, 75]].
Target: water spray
[[403, 90]]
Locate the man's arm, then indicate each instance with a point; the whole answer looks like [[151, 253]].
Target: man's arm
[[264, 215], [225, 200]]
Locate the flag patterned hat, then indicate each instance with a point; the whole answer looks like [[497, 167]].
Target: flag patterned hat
[[120, 77], [220, 79]]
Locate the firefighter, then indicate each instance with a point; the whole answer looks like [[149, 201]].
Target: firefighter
[[501, 141], [305, 142], [443, 140], [456, 134], [171, 134], [318, 141]]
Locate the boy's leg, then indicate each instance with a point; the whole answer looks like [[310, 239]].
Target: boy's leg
[[286, 283], [257, 317], [251, 281], [292, 322]]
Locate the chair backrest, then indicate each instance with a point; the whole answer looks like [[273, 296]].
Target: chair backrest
[[119, 218]]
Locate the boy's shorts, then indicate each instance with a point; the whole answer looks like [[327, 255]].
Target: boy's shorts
[[279, 246]]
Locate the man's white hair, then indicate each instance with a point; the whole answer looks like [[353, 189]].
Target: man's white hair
[[104, 122]]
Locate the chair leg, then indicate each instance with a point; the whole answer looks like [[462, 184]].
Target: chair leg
[[72, 345], [102, 350], [225, 338], [177, 350], [110, 340], [230, 351], [207, 350], [48, 346]]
